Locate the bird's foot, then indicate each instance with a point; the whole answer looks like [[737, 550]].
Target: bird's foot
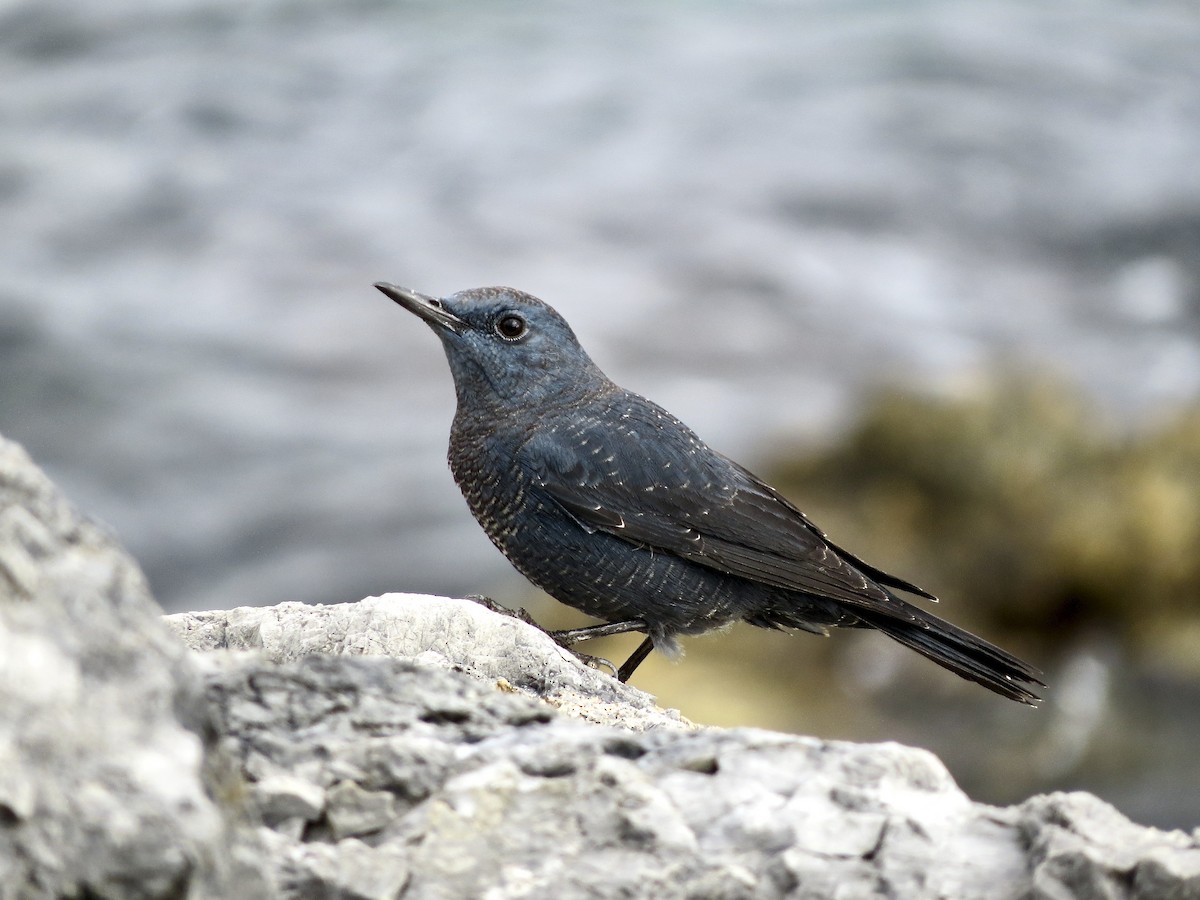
[[519, 613], [599, 663], [570, 637]]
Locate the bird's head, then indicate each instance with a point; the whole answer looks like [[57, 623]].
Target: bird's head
[[504, 345]]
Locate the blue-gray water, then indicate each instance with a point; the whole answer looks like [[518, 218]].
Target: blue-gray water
[[752, 212]]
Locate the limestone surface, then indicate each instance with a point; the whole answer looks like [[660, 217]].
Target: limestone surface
[[106, 781], [435, 731]]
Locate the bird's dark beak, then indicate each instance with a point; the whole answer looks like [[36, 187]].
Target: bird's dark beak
[[428, 308]]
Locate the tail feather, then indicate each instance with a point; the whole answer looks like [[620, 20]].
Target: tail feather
[[961, 652]]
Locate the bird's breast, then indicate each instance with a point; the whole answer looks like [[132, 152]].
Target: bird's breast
[[483, 462]]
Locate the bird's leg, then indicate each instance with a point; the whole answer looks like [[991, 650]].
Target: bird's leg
[[575, 635], [635, 660]]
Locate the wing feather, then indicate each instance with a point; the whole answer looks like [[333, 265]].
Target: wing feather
[[700, 506]]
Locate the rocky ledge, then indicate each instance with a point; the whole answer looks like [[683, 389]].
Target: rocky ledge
[[414, 746]]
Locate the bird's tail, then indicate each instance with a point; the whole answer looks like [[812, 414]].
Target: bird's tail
[[961, 652]]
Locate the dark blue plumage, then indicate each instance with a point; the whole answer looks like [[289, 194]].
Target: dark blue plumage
[[613, 506]]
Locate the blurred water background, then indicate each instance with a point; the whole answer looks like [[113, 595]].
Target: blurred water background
[[759, 214]]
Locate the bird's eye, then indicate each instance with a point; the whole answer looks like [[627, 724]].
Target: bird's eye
[[510, 326]]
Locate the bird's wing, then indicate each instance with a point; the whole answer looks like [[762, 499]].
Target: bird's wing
[[667, 490]]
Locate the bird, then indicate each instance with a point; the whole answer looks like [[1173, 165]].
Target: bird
[[611, 505]]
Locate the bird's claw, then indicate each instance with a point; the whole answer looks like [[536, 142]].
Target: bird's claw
[[568, 639], [594, 662]]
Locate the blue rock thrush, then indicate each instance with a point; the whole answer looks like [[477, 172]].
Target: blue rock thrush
[[611, 505]]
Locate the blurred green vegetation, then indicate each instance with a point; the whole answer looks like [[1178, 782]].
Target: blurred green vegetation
[[1022, 508]]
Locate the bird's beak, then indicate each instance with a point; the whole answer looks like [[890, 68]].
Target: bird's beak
[[428, 308]]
